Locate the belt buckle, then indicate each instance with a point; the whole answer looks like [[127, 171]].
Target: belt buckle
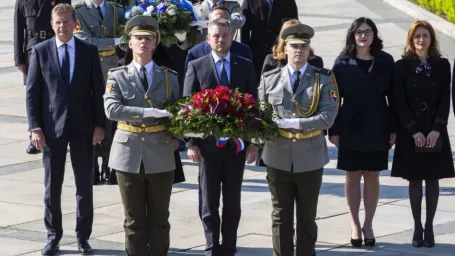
[[423, 106], [293, 135], [42, 34], [143, 129]]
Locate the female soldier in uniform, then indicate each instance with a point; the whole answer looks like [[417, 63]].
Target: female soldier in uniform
[[423, 152]]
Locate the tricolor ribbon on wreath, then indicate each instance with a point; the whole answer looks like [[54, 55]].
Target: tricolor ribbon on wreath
[[222, 142]]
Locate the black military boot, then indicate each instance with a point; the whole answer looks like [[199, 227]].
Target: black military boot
[[96, 172], [105, 172]]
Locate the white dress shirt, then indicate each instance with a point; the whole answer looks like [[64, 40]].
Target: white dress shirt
[[218, 65], [293, 75], [71, 51], [148, 67], [103, 7]]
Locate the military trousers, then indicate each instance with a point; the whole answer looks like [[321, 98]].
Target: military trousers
[[146, 199], [302, 189]]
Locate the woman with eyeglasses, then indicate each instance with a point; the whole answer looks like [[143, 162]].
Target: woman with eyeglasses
[[364, 129], [423, 152]]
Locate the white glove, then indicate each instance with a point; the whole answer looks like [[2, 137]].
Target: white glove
[[180, 36], [118, 40], [194, 135], [156, 113], [292, 123]]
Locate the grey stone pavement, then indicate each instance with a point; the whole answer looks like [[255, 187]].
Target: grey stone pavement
[[21, 175]]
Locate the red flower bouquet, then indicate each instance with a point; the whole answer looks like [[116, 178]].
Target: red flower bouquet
[[223, 113]]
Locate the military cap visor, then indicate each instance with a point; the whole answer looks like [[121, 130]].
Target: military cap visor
[[297, 34], [142, 25]]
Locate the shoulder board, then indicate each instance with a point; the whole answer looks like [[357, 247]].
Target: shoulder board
[[231, 1], [117, 68], [273, 71], [116, 4], [78, 5], [170, 70], [324, 71]]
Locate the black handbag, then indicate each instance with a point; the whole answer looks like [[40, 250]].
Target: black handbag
[[437, 147]]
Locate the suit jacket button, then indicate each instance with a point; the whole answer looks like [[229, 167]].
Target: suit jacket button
[[142, 139], [294, 140], [143, 125], [293, 114], [145, 97]]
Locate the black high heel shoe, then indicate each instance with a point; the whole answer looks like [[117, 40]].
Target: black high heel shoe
[[417, 239], [370, 242], [356, 242], [428, 241]]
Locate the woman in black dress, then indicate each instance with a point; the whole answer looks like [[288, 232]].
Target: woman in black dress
[[364, 128], [423, 152], [278, 59]]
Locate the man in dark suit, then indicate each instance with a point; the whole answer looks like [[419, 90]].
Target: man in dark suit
[[31, 26], [64, 99], [202, 49], [263, 23], [220, 165]]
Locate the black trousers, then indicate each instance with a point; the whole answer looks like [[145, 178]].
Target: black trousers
[[220, 172], [303, 189], [146, 199], [54, 159]]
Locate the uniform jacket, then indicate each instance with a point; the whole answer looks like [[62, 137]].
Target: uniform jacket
[[270, 63], [93, 29], [367, 115], [32, 24], [124, 101], [299, 155], [50, 101], [263, 25]]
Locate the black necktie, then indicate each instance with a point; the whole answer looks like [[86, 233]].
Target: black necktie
[[224, 80], [296, 82], [66, 66], [99, 12], [144, 80]]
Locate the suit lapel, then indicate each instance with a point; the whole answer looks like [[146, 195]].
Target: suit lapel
[[265, 8], [157, 80], [54, 57], [286, 80], [77, 60], [213, 71], [109, 14], [235, 69], [306, 80], [133, 76]]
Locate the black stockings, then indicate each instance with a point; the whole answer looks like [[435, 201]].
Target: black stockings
[[431, 198]]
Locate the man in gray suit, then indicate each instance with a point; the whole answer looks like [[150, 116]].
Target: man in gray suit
[[142, 150], [305, 99]]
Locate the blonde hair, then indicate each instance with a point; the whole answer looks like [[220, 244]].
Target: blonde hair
[[278, 49], [64, 8]]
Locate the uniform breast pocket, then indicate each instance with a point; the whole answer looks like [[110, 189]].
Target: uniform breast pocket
[[129, 96], [94, 28], [306, 98], [277, 104]]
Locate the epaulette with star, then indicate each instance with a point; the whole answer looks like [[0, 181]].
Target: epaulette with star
[[117, 68], [324, 71], [273, 71], [170, 70], [116, 4]]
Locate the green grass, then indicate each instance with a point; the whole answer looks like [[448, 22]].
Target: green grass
[[442, 8]]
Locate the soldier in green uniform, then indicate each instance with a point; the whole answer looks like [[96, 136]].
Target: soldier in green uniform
[[142, 149], [305, 99], [98, 23]]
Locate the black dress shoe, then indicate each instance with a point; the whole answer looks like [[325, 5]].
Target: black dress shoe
[[84, 247], [51, 248], [32, 150]]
